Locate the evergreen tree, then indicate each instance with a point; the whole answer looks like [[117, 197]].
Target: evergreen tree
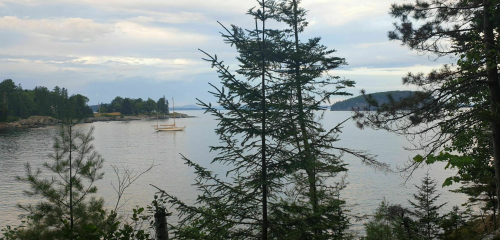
[[126, 107], [42, 101], [380, 226], [468, 31], [67, 208], [458, 225], [280, 157], [162, 105], [7, 88], [426, 210], [239, 209], [149, 106], [392, 222], [303, 68]]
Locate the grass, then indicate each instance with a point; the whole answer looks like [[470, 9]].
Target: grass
[[113, 114]]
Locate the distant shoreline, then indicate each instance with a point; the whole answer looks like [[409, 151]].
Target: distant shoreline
[[43, 121]]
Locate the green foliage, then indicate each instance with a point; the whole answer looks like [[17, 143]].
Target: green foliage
[[298, 219], [380, 227], [454, 116], [162, 105], [129, 106], [149, 106], [132, 229], [115, 105], [9, 233], [392, 222], [126, 107], [472, 158], [458, 225], [16, 103], [282, 161], [426, 211], [67, 208]]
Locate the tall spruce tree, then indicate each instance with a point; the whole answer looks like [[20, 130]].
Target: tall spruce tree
[[236, 207], [312, 209], [456, 100], [280, 157], [426, 209]]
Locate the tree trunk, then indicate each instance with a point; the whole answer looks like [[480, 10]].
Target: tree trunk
[[263, 136], [71, 174], [494, 89], [161, 225], [310, 166]]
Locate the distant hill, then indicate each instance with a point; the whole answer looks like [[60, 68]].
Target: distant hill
[[359, 101], [188, 107]]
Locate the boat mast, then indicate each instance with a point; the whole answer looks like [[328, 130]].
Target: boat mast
[[173, 106]]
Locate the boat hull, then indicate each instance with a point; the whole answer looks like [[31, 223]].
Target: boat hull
[[170, 129]]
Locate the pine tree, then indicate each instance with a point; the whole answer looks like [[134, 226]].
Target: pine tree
[[426, 210], [126, 108], [468, 32], [380, 226], [67, 208]]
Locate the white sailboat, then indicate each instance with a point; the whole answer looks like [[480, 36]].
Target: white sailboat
[[168, 127]]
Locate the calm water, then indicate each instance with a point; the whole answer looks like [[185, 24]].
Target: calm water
[[136, 145]]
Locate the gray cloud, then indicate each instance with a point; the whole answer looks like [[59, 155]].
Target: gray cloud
[[149, 48], [69, 29]]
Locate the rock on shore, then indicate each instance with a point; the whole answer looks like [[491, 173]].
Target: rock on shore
[[31, 122]]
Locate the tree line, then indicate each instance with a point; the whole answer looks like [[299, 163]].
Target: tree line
[[130, 106], [16, 102]]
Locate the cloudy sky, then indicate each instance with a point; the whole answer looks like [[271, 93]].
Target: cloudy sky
[[148, 48]]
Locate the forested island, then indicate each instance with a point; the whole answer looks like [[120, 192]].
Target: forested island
[[131, 106], [25, 108], [360, 102]]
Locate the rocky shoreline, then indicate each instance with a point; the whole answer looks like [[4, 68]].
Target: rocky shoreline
[[109, 119], [42, 121], [31, 122]]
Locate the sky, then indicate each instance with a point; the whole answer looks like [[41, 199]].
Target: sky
[[149, 48]]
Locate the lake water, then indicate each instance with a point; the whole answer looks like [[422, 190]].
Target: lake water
[[136, 145]]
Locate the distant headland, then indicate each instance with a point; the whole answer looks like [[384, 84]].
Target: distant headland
[[360, 102]]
